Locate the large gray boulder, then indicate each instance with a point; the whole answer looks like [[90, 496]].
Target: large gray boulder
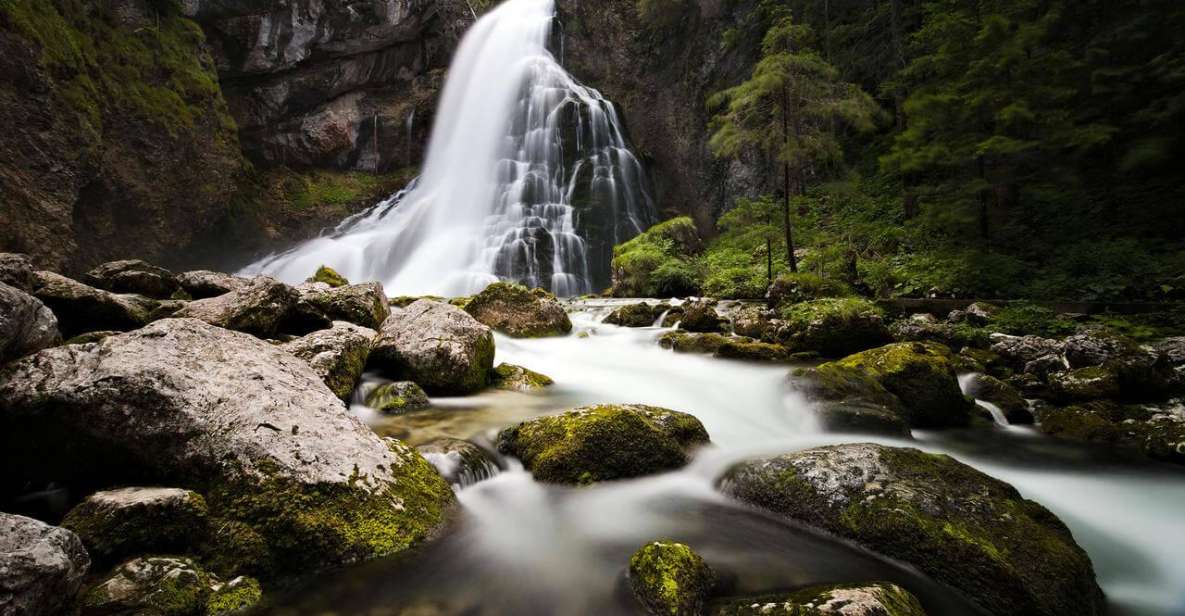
[[252, 427], [437, 345], [26, 325], [338, 354], [202, 284], [81, 308], [258, 308], [1017, 351], [363, 304], [953, 522], [133, 276], [41, 567], [116, 524], [519, 312]]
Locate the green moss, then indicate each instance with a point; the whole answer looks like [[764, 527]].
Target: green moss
[[235, 596], [921, 376], [889, 600], [803, 287], [659, 262], [833, 327], [517, 311], [518, 378], [685, 342], [395, 398], [112, 534], [670, 578], [741, 348], [234, 548], [1024, 319], [329, 276]]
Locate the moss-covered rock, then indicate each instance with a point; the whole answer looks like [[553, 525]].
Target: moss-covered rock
[[133, 276], [598, 443], [258, 307], [1093, 383], [517, 378], [398, 397], [755, 322], [338, 355], [832, 327], [318, 303], [126, 522], [954, 335], [81, 308], [684, 342], [953, 522], [1154, 430], [439, 346], [872, 599], [151, 586], [519, 312], [670, 579], [920, 375], [803, 287], [658, 262], [203, 284], [752, 350], [1006, 397], [850, 400], [701, 316], [329, 276], [234, 597], [642, 314]]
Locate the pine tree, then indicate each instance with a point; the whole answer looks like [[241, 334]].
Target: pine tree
[[790, 110]]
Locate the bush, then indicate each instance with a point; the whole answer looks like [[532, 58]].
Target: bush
[[1023, 318], [658, 263], [801, 287]]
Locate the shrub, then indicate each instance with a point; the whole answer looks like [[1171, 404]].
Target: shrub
[[658, 263]]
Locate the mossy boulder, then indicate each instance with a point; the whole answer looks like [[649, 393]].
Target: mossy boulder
[[517, 378], [338, 354], [1092, 383], [920, 375], [116, 524], [234, 597], [686, 342], [519, 312], [598, 443], [832, 327], [439, 346], [803, 287], [133, 276], [659, 262], [670, 579], [701, 316], [752, 350], [398, 397], [954, 335], [956, 524], [81, 308], [642, 314], [871, 599], [1153, 430], [329, 276], [849, 399], [755, 322], [1010, 401], [318, 303], [151, 586], [258, 307]]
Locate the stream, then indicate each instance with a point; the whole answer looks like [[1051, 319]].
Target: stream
[[524, 548]]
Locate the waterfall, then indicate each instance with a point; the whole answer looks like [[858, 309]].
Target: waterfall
[[528, 178]]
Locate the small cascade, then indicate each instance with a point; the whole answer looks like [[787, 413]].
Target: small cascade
[[966, 384], [529, 177], [410, 125]]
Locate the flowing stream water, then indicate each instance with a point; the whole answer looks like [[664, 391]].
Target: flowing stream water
[[521, 547], [528, 177]]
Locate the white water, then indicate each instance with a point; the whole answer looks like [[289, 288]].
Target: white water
[[528, 177]]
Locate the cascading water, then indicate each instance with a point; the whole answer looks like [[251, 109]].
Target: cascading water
[[528, 178]]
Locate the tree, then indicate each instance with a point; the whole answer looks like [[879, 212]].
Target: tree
[[789, 110]]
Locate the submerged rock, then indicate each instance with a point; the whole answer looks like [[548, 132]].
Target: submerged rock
[[517, 378], [832, 327], [202, 284], [670, 579], [119, 523], [642, 314], [439, 346], [398, 397], [956, 524], [461, 463], [156, 585], [184, 403], [41, 567], [598, 443], [701, 316], [26, 324], [519, 312], [133, 276], [338, 354], [361, 304], [752, 350], [80, 308], [1154, 430], [874, 599], [257, 308], [920, 375]]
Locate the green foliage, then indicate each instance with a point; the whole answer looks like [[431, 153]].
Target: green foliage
[[738, 262], [660, 262], [1022, 318]]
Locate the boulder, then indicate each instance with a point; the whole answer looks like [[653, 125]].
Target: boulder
[[234, 597], [955, 336], [258, 307], [133, 276], [670, 579], [1045, 365], [873, 599], [752, 350], [1006, 397], [1016, 351], [361, 304], [701, 316], [187, 404], [80, 308], [643, 314], [461, 463], [832, 327], [517, 378], [1093, 383], [338, 354], [848, 399], [398, 397], [439, 346], [1172, 350], [90, 337], [519, 312], [1091, 349], [755, 322], [26, 325], [17, 270], [980, 313], [155, 585], [202, 284], [684, 342], [328, 275], [1153, 430], [597, 443], [116, 524], [920, 375], [956, 524], [41, 567]]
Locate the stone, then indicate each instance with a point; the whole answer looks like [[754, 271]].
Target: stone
[[920, 375], [832, 327], [396, 398], [361, 304], [42, 567], [81, 308], [190, 405], [684, 342], [1017, 351], [257, 308], [642, 314], [1153, 430], [670, 579], [155, 585], [872, 599], [133, 276], [439, 346], [26, 324], [1010, 401], [519, 312], [755, 322], [203, 284], [981, 313], [17, 270], [338, 354], [1045, 365], [116, 524], [752, 350], [956, 524], [461, 463], [1093, 383], [956, 336], [1089, 349], [700, 316], [605, 442], [848, 399], [517, 378], [329, 276]]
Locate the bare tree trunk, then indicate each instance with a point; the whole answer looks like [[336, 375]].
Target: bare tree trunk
[[790, 258]]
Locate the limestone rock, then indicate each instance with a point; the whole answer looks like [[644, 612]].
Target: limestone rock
[[202, 284], [17, 270], [361, 304], [133, 276], [81, 308], [258, 307], [920, 375], [115, 524], [41, 567], [26, 324], [642, 314], [439, 346], [398, 397], [338, 354], [701, 316], [517, 378], [519, 312]]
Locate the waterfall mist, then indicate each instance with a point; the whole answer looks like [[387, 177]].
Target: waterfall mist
[[528, 178]]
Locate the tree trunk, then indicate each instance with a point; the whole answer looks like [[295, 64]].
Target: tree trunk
[[984, 203], [790, 258]]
